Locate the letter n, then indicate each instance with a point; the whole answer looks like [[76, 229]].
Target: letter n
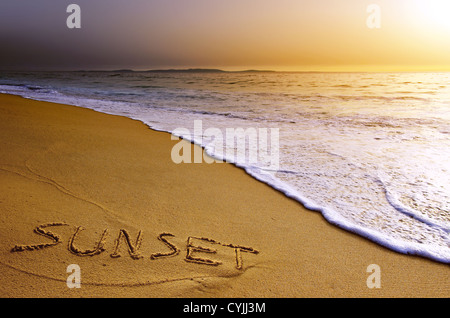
[[133, 249]]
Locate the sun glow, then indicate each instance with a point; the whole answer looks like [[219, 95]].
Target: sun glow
[[436, 13]]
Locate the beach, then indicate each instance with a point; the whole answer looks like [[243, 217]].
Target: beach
[[77, 185]]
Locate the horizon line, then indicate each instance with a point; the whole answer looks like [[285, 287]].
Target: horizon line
[[220, 70]]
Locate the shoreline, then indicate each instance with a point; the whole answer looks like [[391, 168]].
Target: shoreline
[[70, 164]]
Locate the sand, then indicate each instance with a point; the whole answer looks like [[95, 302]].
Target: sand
[[101, 191]]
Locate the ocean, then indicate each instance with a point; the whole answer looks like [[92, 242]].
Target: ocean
[[370, 151]]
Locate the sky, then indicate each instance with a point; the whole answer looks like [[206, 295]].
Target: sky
[[288, 35]]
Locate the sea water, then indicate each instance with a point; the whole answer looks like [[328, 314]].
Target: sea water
[[370, 151]]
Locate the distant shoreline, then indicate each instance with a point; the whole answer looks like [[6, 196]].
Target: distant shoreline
[[208, 71], [171, 70], [189, 70]]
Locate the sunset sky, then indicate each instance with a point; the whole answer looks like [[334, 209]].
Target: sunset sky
[[296, 35]]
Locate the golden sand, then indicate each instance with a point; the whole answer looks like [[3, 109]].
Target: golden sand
[[100, 191]]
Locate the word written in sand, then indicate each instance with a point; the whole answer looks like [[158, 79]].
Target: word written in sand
[[192, 248]]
